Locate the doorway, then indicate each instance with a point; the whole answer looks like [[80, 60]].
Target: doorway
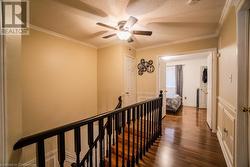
[[198, 83]]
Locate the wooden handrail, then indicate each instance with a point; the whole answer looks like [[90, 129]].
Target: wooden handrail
[[25, 141], [53, 132]]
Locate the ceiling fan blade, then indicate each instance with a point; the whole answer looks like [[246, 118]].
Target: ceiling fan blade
[[105, 25], [108, 36], [130, 22], [96, 34], [130, 40], [149, 33]]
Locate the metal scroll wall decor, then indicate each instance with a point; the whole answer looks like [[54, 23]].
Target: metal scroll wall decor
[[145, 66]]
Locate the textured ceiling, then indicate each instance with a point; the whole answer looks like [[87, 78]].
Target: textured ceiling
[[170, 20]]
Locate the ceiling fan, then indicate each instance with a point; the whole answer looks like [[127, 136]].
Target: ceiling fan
[[124, 30]]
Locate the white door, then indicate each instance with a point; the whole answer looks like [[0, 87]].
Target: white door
[[129, 81], [162, 83]]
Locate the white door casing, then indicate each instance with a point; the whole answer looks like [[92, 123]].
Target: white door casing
[[214, 90], [129, 80], [162, 82], [209, 90]]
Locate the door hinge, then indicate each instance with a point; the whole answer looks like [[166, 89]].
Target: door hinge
[[245, 109]]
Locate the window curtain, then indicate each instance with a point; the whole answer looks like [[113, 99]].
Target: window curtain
[[179, 79]]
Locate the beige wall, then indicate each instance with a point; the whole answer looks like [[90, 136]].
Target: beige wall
[[111, 74], [110, 77], [227, 86], [59, 82], [227, 63], [50, 81], [147, 82]]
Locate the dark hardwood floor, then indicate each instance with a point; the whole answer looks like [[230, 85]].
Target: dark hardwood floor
[[186, 141]]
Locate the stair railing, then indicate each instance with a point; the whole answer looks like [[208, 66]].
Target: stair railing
[[144, 117], [94, 145]]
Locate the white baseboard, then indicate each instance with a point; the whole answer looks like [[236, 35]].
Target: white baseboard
[[51, 156], [224, 151]]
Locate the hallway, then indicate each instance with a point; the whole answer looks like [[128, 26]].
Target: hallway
[[186, 141]]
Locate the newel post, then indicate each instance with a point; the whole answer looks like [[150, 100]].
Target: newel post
[[160, 112]]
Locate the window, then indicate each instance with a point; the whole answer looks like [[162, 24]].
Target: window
[[170, 78]]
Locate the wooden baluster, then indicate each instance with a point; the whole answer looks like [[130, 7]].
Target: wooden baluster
[[156, 120], [90, 142], [107, 145], [133, 146], [123, 137], [137, 137], [116, 134], [77, 137], [153, 121], [155, 116], [159, 118], [150, 124], [141, 114], [158, 115], [128, 122], [160, 121], [155, 126], [101, 146], [61, 148], [40, 154], [147, 111], [144, 129], [113, 132], [152, 135], [96, 155], [109, 138]]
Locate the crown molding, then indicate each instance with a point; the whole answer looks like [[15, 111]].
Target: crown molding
[[224, 13], [53, 33], [178, 42], [241, 4], [113, 43], [238, 3]]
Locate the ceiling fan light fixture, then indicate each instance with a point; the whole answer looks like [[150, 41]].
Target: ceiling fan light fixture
[[124, 35]]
